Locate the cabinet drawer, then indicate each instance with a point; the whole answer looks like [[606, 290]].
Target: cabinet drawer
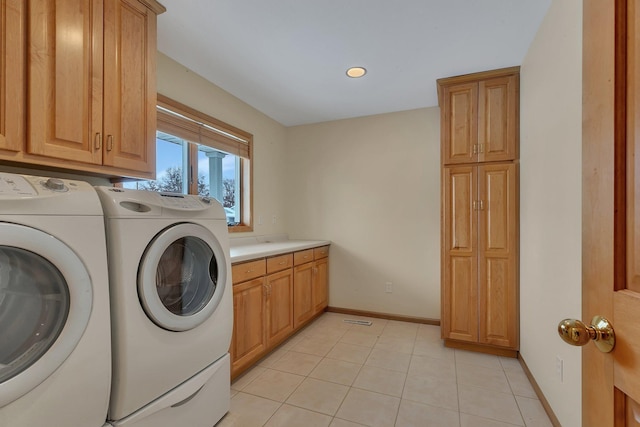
[[321, 252], [248, 270], [279, 262], [301, 257]]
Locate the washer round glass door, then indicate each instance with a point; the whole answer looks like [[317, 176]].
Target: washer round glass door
[[182, 277], [45, 305]]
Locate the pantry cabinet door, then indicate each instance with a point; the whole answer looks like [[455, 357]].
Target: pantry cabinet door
[[498, 250], [65, 79], [460, 254]]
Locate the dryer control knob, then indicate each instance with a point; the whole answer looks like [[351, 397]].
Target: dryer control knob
[[54, 184]]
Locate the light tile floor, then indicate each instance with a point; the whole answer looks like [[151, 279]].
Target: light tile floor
[[391, 373]]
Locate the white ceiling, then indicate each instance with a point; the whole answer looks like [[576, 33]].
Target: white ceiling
[[288, 58]]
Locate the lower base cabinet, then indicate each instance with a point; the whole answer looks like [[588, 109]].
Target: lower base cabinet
[[279, 306], [272, 298], [248, 317], [303, 308], [321, 284]]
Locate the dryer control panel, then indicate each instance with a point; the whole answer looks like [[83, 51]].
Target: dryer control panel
[[130, 203], [179, 201]]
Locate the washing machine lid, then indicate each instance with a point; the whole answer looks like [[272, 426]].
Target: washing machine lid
[[182, 276], [45, 304]]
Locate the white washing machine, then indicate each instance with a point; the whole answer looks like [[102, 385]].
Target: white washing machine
[[171, 308], [55, 360]]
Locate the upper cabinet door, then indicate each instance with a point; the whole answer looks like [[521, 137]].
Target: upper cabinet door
[[459, 124], [65, 79], [12, 74], [497, 124], [479, 117], [130, 85]]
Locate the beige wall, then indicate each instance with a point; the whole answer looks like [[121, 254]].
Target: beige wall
[[371, 185], [550, 204], [269, 180]]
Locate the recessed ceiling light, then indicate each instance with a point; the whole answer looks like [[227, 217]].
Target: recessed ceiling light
[[356, 72]]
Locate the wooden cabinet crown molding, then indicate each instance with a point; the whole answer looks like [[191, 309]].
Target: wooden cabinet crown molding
[[154, 6]]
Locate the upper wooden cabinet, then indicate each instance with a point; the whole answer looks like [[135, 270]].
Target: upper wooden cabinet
[[81, 75], [479, 116], [92, 88], [12, 74]]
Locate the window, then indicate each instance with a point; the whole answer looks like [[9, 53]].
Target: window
[[197, 154]]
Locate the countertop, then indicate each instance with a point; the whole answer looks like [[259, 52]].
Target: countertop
[[248, 248]]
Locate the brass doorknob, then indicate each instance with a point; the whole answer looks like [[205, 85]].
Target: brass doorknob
[[575, 332]]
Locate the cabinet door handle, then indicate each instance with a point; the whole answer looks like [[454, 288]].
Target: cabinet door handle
[[98, 141], [282, 263], [109, 142], [481, 148], [475, 148], [481, 205], [474, 205]]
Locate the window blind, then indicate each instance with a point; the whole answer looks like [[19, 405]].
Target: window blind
[[179, 120]]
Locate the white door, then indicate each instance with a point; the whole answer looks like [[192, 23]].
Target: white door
[[182, 277], [45, 304]]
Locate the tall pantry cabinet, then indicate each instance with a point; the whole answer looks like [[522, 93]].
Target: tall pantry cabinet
[[479, 138]]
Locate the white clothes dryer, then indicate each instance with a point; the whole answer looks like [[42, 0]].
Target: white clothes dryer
[[171, 306], [55, 360]]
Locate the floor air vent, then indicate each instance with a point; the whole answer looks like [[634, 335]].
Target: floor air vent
[[358, 322]]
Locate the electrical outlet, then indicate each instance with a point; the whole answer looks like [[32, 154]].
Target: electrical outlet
[[273, 219], [560, 368], [388, 287]]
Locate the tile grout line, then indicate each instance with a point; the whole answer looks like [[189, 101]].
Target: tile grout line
[[318, 333]]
